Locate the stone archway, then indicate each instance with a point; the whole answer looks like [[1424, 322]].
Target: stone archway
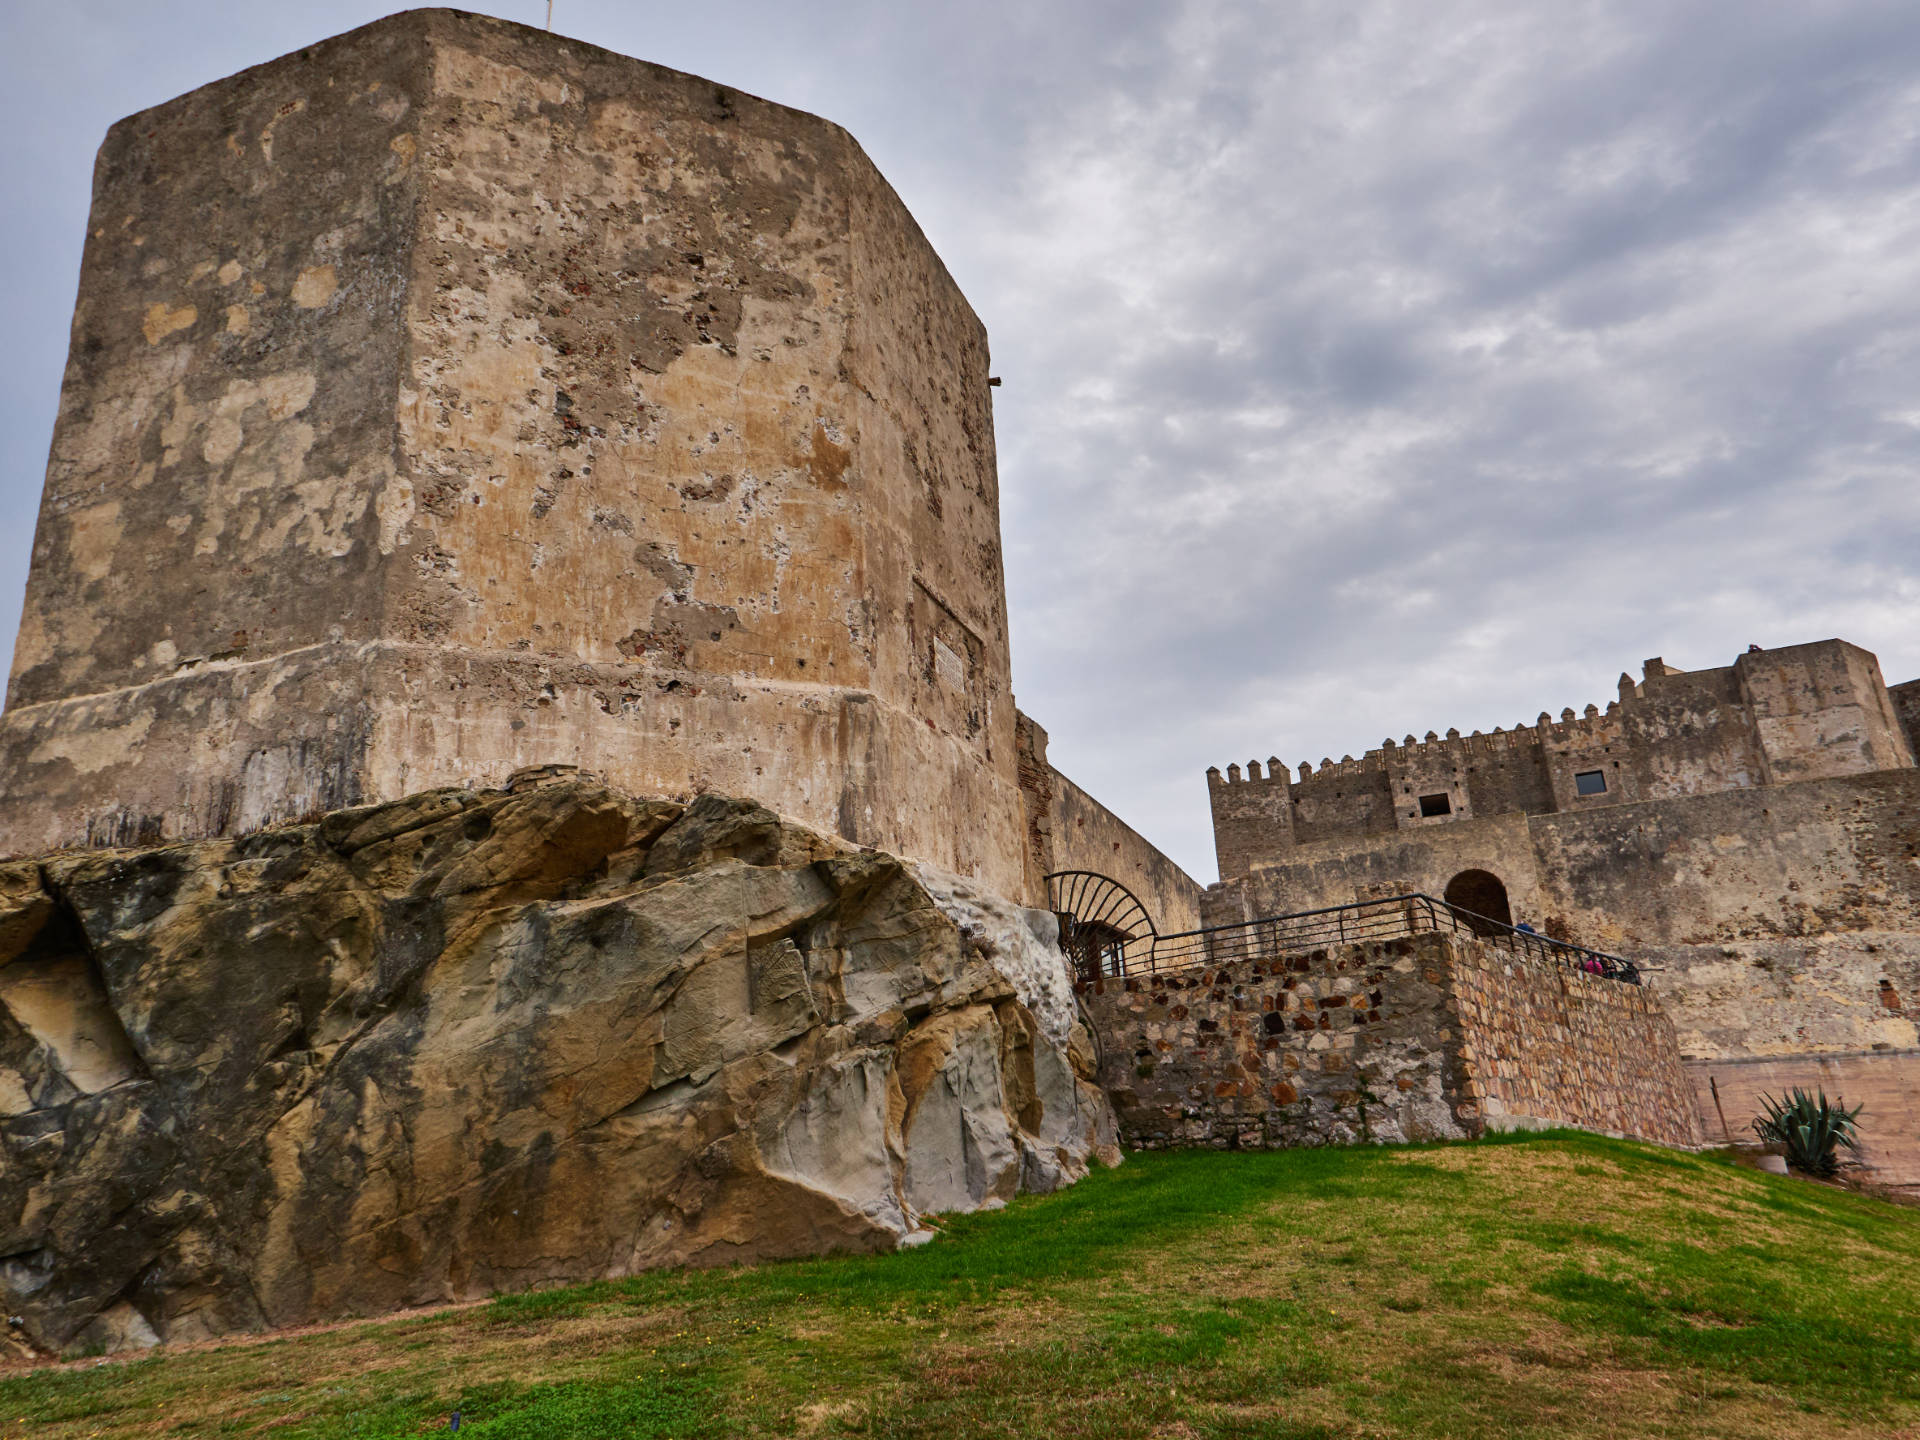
[[1483, 897]]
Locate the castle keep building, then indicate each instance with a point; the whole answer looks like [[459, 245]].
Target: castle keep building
[[1749, 835], [448, 398]]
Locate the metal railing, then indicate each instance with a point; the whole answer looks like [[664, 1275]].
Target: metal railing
[[1387, 919]]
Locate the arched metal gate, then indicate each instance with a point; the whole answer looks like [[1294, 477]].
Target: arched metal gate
[[1104, 929]]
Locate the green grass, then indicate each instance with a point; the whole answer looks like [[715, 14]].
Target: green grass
[[1554, 1284]]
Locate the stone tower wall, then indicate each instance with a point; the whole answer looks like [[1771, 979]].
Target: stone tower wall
[[451, 398]]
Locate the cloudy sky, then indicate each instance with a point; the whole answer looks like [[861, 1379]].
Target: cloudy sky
[[1369, 367]]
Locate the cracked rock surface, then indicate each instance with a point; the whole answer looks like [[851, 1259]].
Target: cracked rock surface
[[478, 1041]]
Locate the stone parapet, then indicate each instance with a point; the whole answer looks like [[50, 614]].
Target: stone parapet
[[1543, 1045]]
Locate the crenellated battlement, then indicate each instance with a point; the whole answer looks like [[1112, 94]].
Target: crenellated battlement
[[1801, 712], [1569, 727]]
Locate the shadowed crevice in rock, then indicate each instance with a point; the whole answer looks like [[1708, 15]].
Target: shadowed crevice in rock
[[475, 1041], [57, 1021]]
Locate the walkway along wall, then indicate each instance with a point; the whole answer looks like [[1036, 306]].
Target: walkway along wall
[[1427, 1037]]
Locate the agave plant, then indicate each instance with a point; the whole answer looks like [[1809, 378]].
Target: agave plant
[[1810, 1129]]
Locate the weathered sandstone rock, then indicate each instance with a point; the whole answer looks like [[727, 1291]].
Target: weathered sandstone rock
[[474, 1041]]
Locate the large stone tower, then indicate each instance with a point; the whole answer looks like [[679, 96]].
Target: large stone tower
[[450, 398]]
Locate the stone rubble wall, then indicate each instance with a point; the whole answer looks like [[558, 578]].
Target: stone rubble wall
[[1338, 1046], [1426, 1037]]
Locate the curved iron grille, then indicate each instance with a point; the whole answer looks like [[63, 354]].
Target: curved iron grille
[[1104, 929]]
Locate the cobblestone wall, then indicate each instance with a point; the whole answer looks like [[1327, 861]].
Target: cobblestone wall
[[1426, 1037]]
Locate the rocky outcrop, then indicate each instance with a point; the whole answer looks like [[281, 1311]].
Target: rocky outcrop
[[478, 1041]]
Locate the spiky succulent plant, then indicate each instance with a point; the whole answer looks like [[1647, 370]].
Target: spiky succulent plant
[[1811, 1129]]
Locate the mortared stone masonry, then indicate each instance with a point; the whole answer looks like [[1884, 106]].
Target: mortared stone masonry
[[1426, 1037]]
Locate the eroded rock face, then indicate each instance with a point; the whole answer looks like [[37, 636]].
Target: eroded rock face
[[476, 1041]]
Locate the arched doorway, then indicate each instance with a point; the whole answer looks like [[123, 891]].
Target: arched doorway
[[1482, 896]]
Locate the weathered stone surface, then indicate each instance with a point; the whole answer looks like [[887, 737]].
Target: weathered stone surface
[[451, 397], [474, 1041]]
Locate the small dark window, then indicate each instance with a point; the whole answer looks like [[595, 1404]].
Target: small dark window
[[1590, 782], [1435, 805]]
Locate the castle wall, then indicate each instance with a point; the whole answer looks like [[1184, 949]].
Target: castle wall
[[1780, 921], [1777, 862], [1422, 1038], [1754, 833], [1067, 829], [1783, 920], [1341, 871], [654, 439], [1252, 819], [1797, 713], [1782, 915], [1693, 735], [1356, 800]]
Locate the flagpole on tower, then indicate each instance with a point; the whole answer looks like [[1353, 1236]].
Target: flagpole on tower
[[549, 14]]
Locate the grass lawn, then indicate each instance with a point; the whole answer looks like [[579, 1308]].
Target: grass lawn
[[1557, 1285]]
